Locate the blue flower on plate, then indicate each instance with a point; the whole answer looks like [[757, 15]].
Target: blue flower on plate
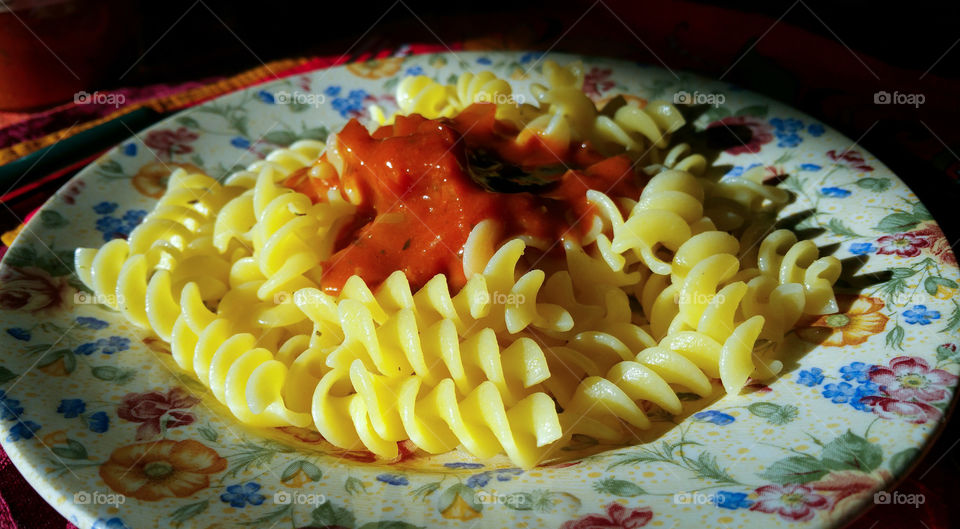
[[789, 140], [332, 91], [726, 499], [815, 130], [88, 322], [23, 430], [738, 170], [240, 495], [530, 56], [109, 523], [105, 208], [98, 422], [10, 409], [130, 149], [20, 334], [839, 393], [240, 142], [810, 167], [393, 479], [352, 105], [506, 474], [811, 377], [834, 192], [413, 70], [70, 408], [858, 371], [479, 480], [266, 97], [867, 389], [133, 217], [109, 226], [714, 416], [920, 314], [463, 464], [484, 60], [108, 346], [862, 248]]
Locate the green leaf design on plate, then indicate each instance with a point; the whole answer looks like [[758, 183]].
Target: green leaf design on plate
[[706, 467], [618, 487], [113, 374], [328, 514], [208, 433], [280, 137], [838, 227], [188, 511], [272, 516], [52, 219], [795, 469], [897, 222], [6, 375], [459, 489], [774, 413], [757, 111], [354, 486], [421, 491], [852, 452], [874, 184], [21, 256], [73, 450], [894, 338], [308, 468], [902, 459], [188, 121], [945, 353]]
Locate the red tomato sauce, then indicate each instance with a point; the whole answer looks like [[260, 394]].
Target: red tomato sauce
[[420, 198]]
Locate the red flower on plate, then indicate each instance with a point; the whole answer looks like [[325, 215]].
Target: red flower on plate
[[939, 244], [791, 501], [167, 142], [597, 80], [851, 159], [155, 409], [902, 244], [890, 408], [616, 517], [760, 133], [32, 289], [910, 378]]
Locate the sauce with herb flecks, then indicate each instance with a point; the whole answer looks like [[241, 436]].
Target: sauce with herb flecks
[[424, 184]]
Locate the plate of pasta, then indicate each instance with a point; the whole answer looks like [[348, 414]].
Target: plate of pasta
[[478, 289]]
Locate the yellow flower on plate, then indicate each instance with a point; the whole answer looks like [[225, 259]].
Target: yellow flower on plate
[[376, 68], [153, 471], [859, 318]]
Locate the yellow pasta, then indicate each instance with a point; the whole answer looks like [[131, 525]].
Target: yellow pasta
[[526, 339]]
